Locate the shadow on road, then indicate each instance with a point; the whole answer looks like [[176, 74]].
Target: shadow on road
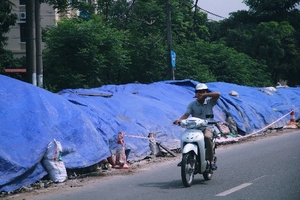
[[173, 184]]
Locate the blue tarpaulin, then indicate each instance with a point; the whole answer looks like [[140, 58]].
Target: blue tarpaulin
[[87, 121]]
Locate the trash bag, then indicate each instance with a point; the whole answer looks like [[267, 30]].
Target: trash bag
[[52, 160]]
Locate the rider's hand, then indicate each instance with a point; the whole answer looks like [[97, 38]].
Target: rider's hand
[[176, 121]]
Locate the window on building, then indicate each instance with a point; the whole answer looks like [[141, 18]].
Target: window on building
[[23, 32], [22, 2]]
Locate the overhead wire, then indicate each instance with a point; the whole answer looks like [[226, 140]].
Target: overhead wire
[[216, 15]]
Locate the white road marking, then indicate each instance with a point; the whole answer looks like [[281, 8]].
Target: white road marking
[[232, 190], [259, 178]]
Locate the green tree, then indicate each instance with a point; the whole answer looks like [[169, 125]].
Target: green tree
[[7, 19], [190, 64], [206, 51], [145, 21], [215, 62], [83, 54], [146, 27], [268, 32], [271, 6], [60, 5], [274, 42]]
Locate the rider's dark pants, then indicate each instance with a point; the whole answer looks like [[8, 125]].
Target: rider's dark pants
[[208, 135]]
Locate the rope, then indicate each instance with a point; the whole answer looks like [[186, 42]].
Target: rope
[[255, 132], [146, 138]]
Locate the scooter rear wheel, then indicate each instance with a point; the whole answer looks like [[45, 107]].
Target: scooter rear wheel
[[188, 168], [207, 175]]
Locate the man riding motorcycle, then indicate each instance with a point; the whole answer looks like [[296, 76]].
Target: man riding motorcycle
[[201, 108]]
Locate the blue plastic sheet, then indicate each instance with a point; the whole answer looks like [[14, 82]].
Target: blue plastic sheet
[[87, 121]]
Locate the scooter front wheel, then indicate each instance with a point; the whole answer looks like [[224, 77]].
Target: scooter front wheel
[[188, 168]]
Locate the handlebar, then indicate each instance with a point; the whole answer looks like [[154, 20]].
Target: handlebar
[[209, 116], [212, 123]]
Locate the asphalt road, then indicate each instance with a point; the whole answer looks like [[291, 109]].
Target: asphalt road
[[267, 168]]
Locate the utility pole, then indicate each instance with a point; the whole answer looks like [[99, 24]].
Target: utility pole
[[169, 41], [30, 42], [39, 61]]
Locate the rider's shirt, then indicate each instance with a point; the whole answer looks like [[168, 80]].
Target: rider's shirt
[[196, 109]]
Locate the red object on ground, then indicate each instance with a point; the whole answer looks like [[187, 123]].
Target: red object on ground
[[292, 120], [120, 154]]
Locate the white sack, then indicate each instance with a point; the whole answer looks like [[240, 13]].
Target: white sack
[[53, 162]]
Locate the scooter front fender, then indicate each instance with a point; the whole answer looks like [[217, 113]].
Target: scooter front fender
[[190, 147]]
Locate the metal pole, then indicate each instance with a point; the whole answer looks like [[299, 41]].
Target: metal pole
[[30, 41], [169, 40], [39, 62]]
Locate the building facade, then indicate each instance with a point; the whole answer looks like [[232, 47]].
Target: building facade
[[17, 35]]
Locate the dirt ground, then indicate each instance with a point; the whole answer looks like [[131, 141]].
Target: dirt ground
[[79, 180], [98, 173]]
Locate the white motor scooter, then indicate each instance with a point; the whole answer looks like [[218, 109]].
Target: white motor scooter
[[193, 150]]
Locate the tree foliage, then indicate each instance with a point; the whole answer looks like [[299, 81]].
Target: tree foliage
[[271, 6], [142, 28], [268, 33], [126, 41], [83, 54], [7, 19]]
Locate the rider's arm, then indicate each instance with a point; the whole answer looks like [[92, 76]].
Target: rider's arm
[[214, 95], [184, 116]]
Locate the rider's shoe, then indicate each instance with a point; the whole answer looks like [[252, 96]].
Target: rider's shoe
[[214, 166], [179, 164]]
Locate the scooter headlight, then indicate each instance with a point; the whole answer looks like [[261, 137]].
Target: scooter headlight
[[189, 124]]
